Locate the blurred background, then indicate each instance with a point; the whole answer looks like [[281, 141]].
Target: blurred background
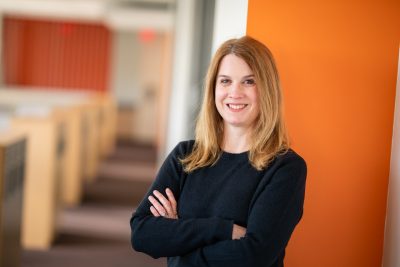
[[95, 93]]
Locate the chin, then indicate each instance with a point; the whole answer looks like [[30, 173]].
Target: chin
[[237, 123]]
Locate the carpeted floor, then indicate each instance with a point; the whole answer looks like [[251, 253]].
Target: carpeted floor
[[97, 232]]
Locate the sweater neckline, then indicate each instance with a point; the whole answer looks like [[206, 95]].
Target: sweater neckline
[[235, 155]]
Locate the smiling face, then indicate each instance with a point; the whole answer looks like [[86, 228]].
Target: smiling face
[[236, 94]]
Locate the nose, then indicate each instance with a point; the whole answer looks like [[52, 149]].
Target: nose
[[235, 90]]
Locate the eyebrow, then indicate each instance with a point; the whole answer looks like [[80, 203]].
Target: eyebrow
[[244, 77]]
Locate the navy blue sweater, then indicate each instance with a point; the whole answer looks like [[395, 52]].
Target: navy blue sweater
[[269, 203]]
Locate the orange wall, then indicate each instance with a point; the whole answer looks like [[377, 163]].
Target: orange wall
[[338, 65], [56, 54]]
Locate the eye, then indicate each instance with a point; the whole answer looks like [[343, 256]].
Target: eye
[[225, 81], [249, 82]]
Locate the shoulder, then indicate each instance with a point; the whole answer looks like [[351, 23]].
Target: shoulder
[[172, 164], [293, 158], [289, 164], [183, 148]]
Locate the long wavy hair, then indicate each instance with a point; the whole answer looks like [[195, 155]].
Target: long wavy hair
[[269, 135]]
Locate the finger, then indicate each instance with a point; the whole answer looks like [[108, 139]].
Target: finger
[[172, 200], [165, 202], [160, 209], [154, 211]]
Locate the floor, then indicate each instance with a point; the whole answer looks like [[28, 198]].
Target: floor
[[97, 232]]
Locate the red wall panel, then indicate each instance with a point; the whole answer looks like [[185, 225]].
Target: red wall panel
[[56, 54]]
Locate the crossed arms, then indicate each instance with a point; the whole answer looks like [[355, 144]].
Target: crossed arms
[[158, 231]]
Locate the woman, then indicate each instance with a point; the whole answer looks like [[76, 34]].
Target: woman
[[233, 196]]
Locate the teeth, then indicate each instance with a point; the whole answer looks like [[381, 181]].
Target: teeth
[[232, 106]]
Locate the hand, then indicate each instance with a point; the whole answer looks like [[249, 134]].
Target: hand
[[238, 231], [163, 206]]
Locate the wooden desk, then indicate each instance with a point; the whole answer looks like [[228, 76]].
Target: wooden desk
[[12, 169]]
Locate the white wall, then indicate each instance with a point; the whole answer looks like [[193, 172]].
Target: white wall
[[149, 72], [1, 50], [124, 81], [136, 83], [391, 254], [230, 20], [183, 54]]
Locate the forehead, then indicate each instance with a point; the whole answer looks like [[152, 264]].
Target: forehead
[[232, 65]]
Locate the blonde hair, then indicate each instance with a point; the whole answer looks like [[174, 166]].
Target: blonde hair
[[269, 136]]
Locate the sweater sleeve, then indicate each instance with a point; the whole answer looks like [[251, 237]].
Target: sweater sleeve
[[163, 237], [272, 219]]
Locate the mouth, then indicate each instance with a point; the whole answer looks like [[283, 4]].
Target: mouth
[[236, 107]]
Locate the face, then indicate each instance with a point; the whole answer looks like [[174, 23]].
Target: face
[[236, 94]]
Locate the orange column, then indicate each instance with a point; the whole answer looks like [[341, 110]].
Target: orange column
[[338, 66]]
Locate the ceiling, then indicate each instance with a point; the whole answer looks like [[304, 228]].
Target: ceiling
[[157, 15]]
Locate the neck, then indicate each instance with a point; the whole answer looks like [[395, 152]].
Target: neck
[[236, 139]]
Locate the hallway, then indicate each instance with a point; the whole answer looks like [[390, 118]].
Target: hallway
[[97, 233]]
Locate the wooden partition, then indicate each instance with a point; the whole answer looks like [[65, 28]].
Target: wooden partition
[[108, 124], [67, 135], [12, 169], [91, 140], [44, 170], [89, 120], [72, 182]]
